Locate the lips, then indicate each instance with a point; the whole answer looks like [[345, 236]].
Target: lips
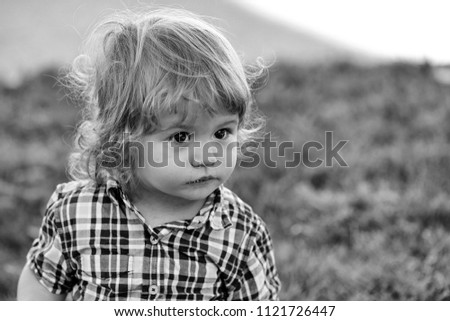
[[203, 179]]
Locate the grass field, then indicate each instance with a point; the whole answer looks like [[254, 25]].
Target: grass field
[[375, 230]]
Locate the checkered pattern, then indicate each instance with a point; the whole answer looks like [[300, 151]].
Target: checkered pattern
[[95, 244]]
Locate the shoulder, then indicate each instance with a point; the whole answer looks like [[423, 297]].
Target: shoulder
[[75, 191], [75, 199], [252, 235], [242, 214]]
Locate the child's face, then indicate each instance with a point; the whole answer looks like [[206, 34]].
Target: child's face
[[188, 160]]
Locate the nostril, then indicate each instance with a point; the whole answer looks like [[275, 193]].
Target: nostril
[[211, 161], [205, 154]]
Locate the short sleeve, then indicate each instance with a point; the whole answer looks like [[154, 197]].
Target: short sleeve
[[259, 277], [46, 258]]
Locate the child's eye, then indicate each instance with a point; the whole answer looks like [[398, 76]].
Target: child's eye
[[180, 137], [222, 133]]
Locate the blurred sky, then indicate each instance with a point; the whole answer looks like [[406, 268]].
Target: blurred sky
[[35, 34], [399, 29]]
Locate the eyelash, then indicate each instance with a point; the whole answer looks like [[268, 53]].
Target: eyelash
[[228, 131], [172, 137]]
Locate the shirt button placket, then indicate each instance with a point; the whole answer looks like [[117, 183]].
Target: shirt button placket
[[154, 290], [154, 239]]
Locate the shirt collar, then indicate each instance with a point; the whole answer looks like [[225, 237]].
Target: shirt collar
[[213, 210]]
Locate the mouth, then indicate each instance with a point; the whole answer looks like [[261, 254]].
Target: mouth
[[204, 179]]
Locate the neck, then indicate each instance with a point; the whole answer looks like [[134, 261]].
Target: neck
[[159, 208], [166, 203]]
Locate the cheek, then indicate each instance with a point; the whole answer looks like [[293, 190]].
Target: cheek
[[159, 155], [160, 176], [227, 157], [232, 151]]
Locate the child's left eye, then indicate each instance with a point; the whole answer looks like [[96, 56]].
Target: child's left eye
[[222, 133]]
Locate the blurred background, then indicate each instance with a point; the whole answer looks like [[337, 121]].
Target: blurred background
[[375, 73]]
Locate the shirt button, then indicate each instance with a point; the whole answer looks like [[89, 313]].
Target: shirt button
[[154, 239], [154, 289]]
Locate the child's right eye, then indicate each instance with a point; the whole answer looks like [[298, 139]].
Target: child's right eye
[[180, 137]]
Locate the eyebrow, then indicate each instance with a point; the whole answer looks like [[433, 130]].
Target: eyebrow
[[229, 122]]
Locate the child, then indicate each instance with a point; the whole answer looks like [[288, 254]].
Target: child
[[147, 216]]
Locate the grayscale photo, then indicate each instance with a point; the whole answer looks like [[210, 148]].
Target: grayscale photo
[[197, 150]]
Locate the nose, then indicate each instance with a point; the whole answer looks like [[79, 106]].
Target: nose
[[204, 154]]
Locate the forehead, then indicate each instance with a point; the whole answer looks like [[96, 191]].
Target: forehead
[[191, 115]]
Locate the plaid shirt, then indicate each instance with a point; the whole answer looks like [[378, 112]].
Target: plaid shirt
[[95, 244]]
